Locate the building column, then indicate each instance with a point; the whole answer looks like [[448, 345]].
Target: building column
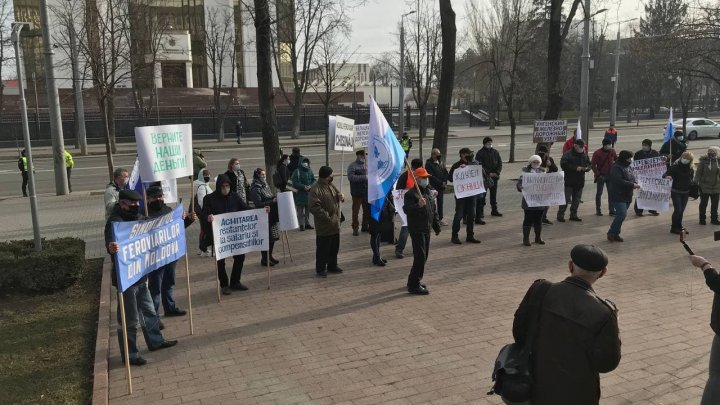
[[157, 74], [189, 75]]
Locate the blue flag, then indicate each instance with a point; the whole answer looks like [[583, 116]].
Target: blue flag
[[669, 130], [385, 161]]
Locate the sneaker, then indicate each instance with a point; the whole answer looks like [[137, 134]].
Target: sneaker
[[176, 312], [443, 223], [639, 213]]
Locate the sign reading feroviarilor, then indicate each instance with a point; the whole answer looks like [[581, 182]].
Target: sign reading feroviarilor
[[550, 131], [344, 128], [654, 193], [468, 181], [164, 151], [147, 245], [652, 167], [543, 189], [237, 233]]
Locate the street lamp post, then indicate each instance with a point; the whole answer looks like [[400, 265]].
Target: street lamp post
[[616, 77], [15, 37], [80, 134], [401, 112], [585, 74]]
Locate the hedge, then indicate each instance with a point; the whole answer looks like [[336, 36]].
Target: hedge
[[56, 267]]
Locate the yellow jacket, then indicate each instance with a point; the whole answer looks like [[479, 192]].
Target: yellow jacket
[[69, 162]]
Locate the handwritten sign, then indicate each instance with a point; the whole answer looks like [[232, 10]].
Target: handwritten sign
[[344, 128], [543, 189], [652, 167], [399, 201], [361, 136], [164, 151], [237, 233], [468, 181], [550, 131], [654, 193]]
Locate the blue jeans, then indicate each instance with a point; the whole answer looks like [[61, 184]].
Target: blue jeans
[[711, 395], [160, 284], [602, 183], [620, 209], [679, 201], [139, 311]]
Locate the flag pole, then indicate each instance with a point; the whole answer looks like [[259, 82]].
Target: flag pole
[[121, 300], [187, 262], [217, 278]]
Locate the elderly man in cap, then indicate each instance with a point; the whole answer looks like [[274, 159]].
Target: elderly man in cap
[[357, 176], [577, 335], [162, 280], [139, 308], [324, 204], [575, 163], [464, 207]]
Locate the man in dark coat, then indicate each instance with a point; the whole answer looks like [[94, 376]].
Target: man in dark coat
[[438, 179], [324, 204], [357, 176], [422, 216], [674, 147], [577, 337], [464, 207], [295, 160], [575, 163], [491, 163], [222, 201]]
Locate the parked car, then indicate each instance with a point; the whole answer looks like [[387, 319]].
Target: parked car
[[698, 127]]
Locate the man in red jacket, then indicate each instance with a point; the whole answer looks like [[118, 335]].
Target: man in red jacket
[[602, 161]]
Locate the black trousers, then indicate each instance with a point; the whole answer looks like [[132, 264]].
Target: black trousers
[[464, 208], [68, 170], [238, 261], [533, 217], [24, 183], [421, 247], [326, 251]]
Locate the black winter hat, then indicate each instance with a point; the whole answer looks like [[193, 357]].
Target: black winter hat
[[486, 140], [589, 257], [625, 155], [325, 172], [606, 142], [131, 195], [154, 190]]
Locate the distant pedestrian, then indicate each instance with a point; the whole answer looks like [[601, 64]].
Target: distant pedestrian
[[262, 196], [406, 144], [357, 176], [69, 164], [601, 162], [238, 132], [464, 207], [438, 179], [23, 166], [533, 215], [491, 163], [681, 174], [325, 201], [302, 180], [203, 188], [282, 174], [621, 184], [707, 177], [575, 164], [611, 135], [405, 182], [548, 163], [112, 190], [295, 159], [646, 152]]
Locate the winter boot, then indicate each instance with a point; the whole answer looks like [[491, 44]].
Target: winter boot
[[526, 235]]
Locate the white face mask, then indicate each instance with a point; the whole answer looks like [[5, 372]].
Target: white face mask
[[424, 182], [263, 178], [607, 147], [306, 165], [236, 167], [535, 165], [488, 145]]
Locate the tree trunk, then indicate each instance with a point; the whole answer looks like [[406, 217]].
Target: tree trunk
[[422, 127], [110, 123], [555, 45], [263, 42], [221, 129], [513, 125], [447, 76], [297, 118], [327, 133], [108, 148]]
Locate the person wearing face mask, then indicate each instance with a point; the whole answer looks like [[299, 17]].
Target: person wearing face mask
[[438, 179], [681, 174], [376, 229], [621, 184], [295, 159], [570, 143], [162, 280], [646, 152], [491, 163], [222, 201], [674, 147], [262, 196], [707, 177], [282, 174], [533, 215], [611, 135], [139, 308], [239, 183], [421, 212], [112, 190], [303, 179], [325, 201], [601, 162], [548, 163], [405, 182], [202, 188], [464, 207], [357, 176], [575, 164]]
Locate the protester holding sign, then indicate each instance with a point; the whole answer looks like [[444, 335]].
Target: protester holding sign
[[302, 179], [357, 176], [646, 152], [548, 163], [137, 297], [222, 201], [681, 173], [262, 196], [533, 215], [621, 184], [202, 188], [575, 164], [708, 178], [162, 280], [325, 201], [464, 207]]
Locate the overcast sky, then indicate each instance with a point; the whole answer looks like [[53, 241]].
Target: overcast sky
[[374, 24]]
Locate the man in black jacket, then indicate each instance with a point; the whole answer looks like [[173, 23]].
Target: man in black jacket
[[222, 201], [577, 337], [404, 182], [575, 164], [422, 216], [438, 179], [464, 207], [491, 163]]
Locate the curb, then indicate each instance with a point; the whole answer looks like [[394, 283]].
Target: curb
[[101, 386]]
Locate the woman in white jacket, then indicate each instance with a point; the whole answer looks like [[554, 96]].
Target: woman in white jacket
[[202, 188]]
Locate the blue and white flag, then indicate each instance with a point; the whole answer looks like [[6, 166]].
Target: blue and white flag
[[669, 129], [579, 131], [385, 161]]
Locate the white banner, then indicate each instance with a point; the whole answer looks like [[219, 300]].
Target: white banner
[[361, 136], [331, 130], [543, 189], [236, 233], [399, 201], [654, 193], [286, 211], [343, 139], [652, 167], [170, 194], [468, 181], [164, 151]]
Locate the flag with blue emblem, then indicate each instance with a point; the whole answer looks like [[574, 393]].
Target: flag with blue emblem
[[385, 161], [669, 129], [135, 182]]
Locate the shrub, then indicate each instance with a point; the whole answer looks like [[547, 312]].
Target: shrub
[[54, 268]]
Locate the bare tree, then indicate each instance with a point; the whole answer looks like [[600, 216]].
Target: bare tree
[[220, 52], [447, 76], [6, 49]]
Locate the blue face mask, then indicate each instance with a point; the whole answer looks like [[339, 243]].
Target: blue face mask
[[684, 161]]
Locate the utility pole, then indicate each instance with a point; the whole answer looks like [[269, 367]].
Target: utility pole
[[56, 133], [80, 134], [585, 73], [401, 112], [616, 76]]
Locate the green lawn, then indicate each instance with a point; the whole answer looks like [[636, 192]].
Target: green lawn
[[47, 343]]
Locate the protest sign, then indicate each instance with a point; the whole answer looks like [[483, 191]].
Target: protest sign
[[361, 136], [343, 139], [286, 211], [236, 233], [468, 181], [399, 201], [331, 130], [550, 131], [147, 245], [654, 193], [543, 189], [164, 151], [652, 167]]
